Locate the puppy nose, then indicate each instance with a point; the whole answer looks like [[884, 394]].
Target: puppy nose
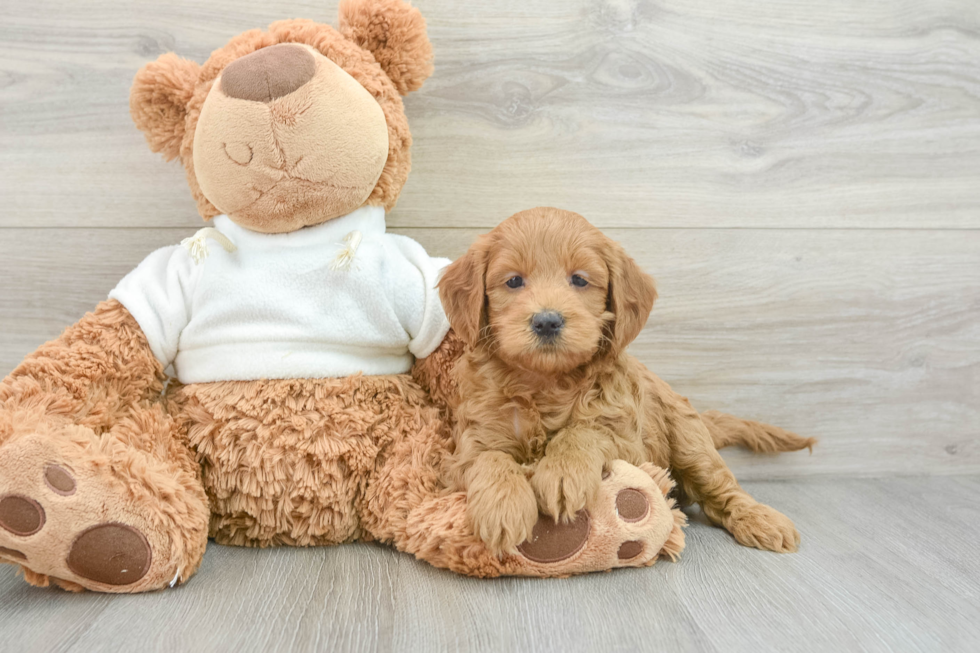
[[547, 324], [268, 73]]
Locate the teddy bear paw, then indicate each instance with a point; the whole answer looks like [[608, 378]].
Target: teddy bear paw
[[66, 518], [630, 523]]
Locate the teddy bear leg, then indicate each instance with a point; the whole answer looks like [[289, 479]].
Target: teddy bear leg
[[98, 488], [631, 523], [119, 512]]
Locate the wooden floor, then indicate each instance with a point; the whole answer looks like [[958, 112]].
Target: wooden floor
[[803, 180], [885, 565]]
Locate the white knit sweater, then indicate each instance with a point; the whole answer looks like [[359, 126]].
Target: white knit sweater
[[306, 304]]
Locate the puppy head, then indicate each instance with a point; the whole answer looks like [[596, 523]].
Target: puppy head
[[546, 291]]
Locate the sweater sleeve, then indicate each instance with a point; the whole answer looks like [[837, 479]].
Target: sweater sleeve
[[425, 321], [158, 296]]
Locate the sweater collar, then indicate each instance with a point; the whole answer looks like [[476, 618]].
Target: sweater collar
[[368, 220]]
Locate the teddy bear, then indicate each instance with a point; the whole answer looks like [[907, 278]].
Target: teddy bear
[[282, 377]]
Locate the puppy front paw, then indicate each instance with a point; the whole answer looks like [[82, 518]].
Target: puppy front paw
[[564, 484], [764, 528], [503, 514]]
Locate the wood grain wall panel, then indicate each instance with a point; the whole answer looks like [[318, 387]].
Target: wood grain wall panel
[[639, 113], [866, 339]]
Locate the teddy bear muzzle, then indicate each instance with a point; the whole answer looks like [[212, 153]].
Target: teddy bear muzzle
[[287, 139]]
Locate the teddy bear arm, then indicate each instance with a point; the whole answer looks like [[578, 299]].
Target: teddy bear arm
[[97, 368]]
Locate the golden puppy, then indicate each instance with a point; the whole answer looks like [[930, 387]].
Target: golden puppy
[[548, 395]]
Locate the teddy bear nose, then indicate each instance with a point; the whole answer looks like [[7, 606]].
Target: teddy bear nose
[[268, 73]]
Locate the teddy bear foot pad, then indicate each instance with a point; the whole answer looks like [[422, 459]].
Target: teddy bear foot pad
[[64, 518], [630, 524], [113, 554]]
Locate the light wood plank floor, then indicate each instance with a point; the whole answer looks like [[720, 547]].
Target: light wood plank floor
[[803, 180], [885, 565]]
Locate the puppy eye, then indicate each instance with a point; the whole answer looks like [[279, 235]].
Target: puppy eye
[[515, 282], [579, 281]]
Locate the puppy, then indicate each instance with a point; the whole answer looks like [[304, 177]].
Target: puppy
[[548, 396]]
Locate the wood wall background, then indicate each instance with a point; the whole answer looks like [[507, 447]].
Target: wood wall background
[[803, 180]]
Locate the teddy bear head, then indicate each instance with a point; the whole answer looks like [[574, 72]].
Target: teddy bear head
[[293, 126]]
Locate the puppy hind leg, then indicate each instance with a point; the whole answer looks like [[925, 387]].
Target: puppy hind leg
[[705, 478]]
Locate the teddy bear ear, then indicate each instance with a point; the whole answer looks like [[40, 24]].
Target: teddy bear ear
[[158, 101], [394, 32]]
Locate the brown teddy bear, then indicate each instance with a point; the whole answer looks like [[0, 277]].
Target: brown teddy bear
[[297, 416]]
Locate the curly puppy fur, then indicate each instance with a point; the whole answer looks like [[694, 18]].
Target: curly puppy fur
[[542, 413]]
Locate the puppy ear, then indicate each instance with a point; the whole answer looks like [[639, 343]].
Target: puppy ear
[[630, 296], [462, 290], [394, 32], [158, 101]]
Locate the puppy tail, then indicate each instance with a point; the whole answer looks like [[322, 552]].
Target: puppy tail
[[727, 430]]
